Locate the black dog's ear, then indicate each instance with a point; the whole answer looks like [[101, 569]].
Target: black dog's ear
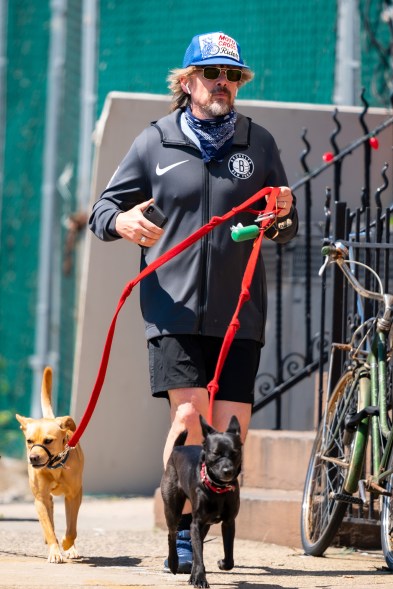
[[234, 426], [206, 428]]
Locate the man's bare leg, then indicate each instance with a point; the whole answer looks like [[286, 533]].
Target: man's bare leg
[[186, 406], [223, 411]]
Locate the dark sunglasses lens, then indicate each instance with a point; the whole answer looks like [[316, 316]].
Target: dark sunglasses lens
[[234, 75], [211, 73]]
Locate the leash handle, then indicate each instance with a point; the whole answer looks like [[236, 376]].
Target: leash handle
[[214, 221]]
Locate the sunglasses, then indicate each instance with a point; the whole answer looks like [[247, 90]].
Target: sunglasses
[[212, 73]]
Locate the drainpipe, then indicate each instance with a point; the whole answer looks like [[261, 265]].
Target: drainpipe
[[3, 104], [347, 74], [50, 226], [387, 17], [88, 101]]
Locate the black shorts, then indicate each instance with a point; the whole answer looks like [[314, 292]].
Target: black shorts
[[183, 361]]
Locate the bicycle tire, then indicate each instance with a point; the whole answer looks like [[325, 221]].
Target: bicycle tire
[[322, 514], [387, 519]]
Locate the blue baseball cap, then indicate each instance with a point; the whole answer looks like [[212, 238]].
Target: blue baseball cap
[[214, 49]]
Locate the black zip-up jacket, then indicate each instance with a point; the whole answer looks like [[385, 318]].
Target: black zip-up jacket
[[196, 292]]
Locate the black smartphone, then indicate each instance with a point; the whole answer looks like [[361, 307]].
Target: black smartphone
[[155, 215]]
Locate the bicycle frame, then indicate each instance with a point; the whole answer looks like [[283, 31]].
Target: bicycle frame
[[371, 375], [342, 467], [378, 362], [361, 437]]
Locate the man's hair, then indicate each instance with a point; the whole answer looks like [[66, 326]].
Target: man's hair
[[179, 98]]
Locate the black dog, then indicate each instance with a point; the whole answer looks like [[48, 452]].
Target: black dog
[[207, 476]]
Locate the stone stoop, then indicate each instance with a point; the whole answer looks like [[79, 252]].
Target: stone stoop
[[274, 470]]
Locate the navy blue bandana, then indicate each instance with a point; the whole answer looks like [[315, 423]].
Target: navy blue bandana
[[215, 135]]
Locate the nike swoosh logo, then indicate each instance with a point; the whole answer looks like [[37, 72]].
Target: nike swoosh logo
[[161, 171]]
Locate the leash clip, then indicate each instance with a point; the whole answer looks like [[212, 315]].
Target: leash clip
[[61, 458]]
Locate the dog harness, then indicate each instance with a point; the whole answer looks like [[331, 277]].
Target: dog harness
[[206, 480]]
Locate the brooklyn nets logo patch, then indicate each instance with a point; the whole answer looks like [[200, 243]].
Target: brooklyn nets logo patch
[[241, 166]]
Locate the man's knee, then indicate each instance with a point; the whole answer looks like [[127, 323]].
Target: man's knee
[[186, 407], [187, 415], [187, 404]]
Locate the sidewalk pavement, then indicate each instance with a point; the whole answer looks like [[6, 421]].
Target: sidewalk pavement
[[121, 548]]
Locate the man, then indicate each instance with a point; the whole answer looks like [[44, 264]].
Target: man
[[201, 160]]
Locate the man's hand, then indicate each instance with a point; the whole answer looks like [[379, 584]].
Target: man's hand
[[133, 226], [284, 201]]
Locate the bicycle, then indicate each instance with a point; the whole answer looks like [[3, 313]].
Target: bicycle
[[358, 411]]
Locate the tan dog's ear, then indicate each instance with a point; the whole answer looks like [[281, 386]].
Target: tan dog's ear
[[22, 420], [66, 423]]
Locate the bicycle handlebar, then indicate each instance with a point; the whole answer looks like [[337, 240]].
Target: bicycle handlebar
[[335, 250], [338, 253]]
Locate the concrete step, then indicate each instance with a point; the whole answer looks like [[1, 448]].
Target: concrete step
[[265, 515], [269, 515], [276, 459], [274, 470], [273, 517]]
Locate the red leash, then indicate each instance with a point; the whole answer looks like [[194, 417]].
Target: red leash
[[234, 325], [214, 221]]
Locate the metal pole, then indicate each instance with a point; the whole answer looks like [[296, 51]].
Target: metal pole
[[347, 73], [338, 298], [49, 224], [88, 101], [3, 84]]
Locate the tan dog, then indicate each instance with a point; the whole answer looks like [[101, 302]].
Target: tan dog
[[50, 474]]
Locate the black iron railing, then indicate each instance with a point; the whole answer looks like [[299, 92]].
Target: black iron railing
[[374, 225]]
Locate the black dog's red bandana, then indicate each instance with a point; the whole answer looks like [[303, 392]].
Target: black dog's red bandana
[[210, 485]]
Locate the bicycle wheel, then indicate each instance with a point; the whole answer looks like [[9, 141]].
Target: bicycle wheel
[[387, 502], [321, 513], [387, 520]]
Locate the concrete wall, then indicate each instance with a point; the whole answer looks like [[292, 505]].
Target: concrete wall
[[124, 440]]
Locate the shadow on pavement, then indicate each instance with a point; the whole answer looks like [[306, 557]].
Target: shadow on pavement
[[116, 561]]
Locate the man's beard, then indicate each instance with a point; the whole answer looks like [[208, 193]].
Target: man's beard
[[218, 107]]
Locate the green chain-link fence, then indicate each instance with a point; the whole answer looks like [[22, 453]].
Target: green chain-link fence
[[290, 46]]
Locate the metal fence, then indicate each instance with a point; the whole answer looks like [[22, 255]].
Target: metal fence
[[370, 228]]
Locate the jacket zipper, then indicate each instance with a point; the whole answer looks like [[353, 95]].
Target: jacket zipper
[[204, 249]]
